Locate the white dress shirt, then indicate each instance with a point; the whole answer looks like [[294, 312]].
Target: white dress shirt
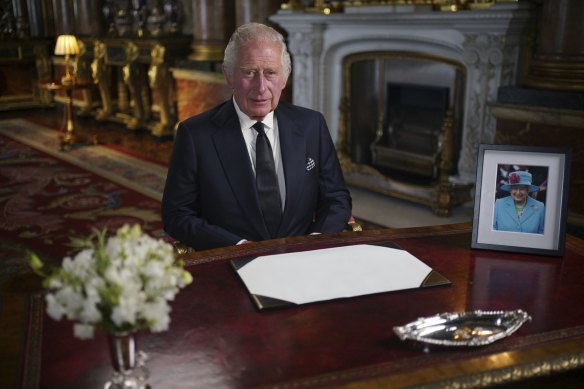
[[250, 135]]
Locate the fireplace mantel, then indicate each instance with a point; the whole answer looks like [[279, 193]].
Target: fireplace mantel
[[487, 43]]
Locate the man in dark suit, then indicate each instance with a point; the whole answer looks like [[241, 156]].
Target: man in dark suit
[[212, 199]]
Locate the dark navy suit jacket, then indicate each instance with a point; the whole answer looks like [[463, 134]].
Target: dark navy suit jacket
[[210, 199]]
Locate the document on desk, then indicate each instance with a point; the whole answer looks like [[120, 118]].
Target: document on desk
[[332, 273]]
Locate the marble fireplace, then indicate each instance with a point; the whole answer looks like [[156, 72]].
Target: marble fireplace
[[485, 46]]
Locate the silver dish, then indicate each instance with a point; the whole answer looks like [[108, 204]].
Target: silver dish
[[476, 328]]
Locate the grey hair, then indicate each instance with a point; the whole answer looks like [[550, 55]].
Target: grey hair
[[254, 32]]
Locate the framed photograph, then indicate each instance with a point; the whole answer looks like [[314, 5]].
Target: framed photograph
[[521, 199]]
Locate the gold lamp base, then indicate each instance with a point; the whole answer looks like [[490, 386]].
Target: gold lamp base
[[67, 79]]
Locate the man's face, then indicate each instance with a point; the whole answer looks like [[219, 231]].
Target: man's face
[[258, 79], [519, 192]]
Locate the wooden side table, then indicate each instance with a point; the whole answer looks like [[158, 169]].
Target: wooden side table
[[69, 137]]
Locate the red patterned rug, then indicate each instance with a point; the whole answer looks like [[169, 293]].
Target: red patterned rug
[[48, 196]]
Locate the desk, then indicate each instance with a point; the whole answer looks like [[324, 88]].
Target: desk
[[218, 339], [68, 138]]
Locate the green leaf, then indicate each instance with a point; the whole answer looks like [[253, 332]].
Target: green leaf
[[36, 264]]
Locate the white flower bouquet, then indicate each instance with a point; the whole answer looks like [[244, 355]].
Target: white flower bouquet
[[120, 284]]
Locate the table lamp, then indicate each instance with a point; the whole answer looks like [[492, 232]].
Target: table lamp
[[67, 46]]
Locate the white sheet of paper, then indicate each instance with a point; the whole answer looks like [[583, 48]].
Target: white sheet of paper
[[326, 274]]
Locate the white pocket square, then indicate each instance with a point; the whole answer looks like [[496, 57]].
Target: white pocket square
[[310, 164]]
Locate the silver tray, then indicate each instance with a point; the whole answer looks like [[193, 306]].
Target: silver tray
[[476, 328]]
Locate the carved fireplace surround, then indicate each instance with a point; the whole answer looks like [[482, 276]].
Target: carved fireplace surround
[[487, 43]]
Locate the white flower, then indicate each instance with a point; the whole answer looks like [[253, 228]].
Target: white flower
[[157, 314], [154, 270], [120, 284], [54, 309], [125, 311], [55, 283], [71, 300], [81, 265], [83, 331], [90, 312]]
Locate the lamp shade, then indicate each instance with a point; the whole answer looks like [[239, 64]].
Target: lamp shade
[[66, 45]]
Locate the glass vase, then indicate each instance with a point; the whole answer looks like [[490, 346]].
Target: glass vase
[[129, 365]]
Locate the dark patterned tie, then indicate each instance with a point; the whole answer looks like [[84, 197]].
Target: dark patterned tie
[[267, 181]]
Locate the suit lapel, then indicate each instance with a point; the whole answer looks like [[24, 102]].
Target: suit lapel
[[232, 153], [293, 149]]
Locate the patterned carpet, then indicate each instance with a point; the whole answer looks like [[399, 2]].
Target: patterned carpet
[[48, 196]]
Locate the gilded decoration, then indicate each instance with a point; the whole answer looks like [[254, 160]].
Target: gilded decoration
[[327, 7], [143, 96]]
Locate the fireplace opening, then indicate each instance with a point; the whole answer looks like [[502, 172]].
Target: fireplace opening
[[397, 106], [401, 123], [408, 146], [414, 116]]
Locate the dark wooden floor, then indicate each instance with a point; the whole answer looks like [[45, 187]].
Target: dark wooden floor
[[87, 129]]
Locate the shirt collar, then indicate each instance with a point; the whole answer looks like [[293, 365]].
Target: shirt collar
[[246, 122]]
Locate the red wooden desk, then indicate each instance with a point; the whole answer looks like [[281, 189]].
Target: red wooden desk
[[218, 339]]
